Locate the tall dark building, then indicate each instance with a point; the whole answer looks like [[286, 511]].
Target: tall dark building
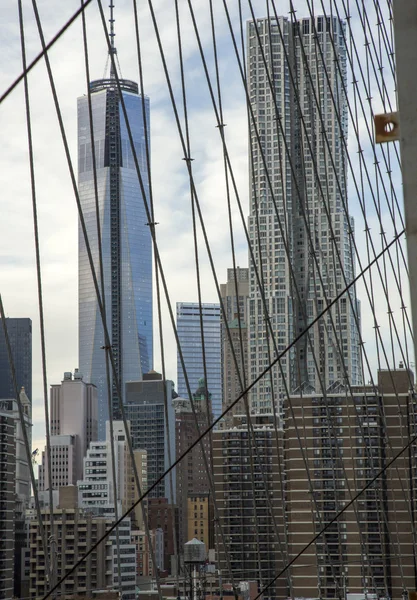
[[20, 335], [150, 430]]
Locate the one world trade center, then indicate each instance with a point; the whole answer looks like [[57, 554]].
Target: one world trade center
[[126, 247]]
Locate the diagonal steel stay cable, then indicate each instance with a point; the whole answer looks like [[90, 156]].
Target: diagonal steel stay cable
[[189, 160], [331, 431], [357, 92], [169, 85], [389, 442], [369, 452], [41, 54], [388, 47], [345, 209], [224, 413], [285, 237], [354, 121], [90, 258], [322, 283], [350, 56], [287, 390], [249, 243], [369, 58], [146, 129], [242, 383], [385, 151], [283, 547], [157, 252], [391, 316], [345, 92], [379, 339], [39, 279], [333, 165], [116, 380], [101, 272]]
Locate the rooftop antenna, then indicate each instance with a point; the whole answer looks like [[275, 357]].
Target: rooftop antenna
[[112, 35]]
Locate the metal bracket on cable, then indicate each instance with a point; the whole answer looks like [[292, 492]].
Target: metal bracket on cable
[[188, 158], [387, 127]]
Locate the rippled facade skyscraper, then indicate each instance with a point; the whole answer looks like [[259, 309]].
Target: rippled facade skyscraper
[[126, 239], [299, 226]]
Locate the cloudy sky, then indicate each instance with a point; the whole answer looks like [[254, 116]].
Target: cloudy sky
[[56, 204]]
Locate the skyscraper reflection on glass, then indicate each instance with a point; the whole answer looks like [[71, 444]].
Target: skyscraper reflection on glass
[[126, 240], [189, 333]]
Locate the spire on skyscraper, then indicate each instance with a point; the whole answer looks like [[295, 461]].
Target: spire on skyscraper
[[112, 35]]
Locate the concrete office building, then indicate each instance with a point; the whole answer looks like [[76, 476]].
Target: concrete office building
[[20, 337], [150, 430], [73, 414], [235, 296], [290, 234], [189, 333], [370, 550], [244, 511], [125, 236]]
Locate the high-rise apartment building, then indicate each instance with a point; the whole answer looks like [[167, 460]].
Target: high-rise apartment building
[[235, 296], [299, 230], [74, 532], [148, 403], [96, 495], [126, 240], [245, 477], [20, 336], [7, 500], [96, 489], [189, 333], [345, 442], [73, 414]]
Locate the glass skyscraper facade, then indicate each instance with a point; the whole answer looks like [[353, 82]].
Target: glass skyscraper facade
[[126, 240], [189, 333], [20, 336]]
